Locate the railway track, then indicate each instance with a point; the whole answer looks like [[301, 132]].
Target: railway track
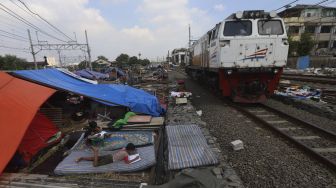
[[310, 78], [316, 141], [329, 96]]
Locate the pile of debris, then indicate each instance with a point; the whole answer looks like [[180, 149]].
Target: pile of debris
[[299, 92], [317, 101], [313, 71]]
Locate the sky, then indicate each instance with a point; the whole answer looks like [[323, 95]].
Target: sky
[[148, 27]]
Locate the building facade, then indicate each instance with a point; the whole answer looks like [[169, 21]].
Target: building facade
[[179, 56], [318, 20]]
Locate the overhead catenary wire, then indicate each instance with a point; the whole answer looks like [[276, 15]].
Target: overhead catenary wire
[[14, 48], [15, 38], [333, 1], [45, 20], [286, 5], [309, 6], [13, 14], [15, 35], [7, 22]]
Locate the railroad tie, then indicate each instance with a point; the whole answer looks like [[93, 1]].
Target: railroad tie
[[289, 128], [256, 111], [277, 121], [265, 115], [305, 137], [325, 150]]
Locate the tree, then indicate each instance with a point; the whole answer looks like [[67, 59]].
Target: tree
[[122, 58], [83, 65], [102, 58], [133, 60], [144, 62], [305, 45], [293, 46], [11, 62]]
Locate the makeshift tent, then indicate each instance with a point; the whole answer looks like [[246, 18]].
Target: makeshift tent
[[119, 71], [40, 130], [135, 99], [19, 102], [91, 74]]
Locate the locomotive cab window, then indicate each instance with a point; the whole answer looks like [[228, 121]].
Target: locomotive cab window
[[238, 28], [270, 27]]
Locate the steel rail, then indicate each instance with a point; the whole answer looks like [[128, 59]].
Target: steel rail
[[314, 79], [308, 76], [329, 163]]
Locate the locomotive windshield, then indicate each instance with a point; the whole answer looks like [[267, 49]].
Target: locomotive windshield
[[270, 27], [238, 28]]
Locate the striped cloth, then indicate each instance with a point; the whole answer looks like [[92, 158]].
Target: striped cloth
[[187, 147], [69, 166]]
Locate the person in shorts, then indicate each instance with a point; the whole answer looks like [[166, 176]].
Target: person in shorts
[[121, 155]]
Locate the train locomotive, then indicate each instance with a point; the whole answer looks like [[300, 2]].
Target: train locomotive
[[243, 56]]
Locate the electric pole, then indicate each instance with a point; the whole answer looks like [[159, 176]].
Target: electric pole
[[88, 50], [32, 48], [59, 57], [189, 43]]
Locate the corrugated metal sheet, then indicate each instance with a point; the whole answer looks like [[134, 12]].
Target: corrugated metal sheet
[[187, 147]]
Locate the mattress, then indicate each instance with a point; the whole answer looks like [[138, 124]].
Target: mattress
[[69, 166]]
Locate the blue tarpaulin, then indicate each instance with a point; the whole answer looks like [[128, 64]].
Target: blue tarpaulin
[[91, 74], [119, 71], [303, 62], [137, 100]]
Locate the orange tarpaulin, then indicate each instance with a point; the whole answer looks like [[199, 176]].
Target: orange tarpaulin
[[19, 102]]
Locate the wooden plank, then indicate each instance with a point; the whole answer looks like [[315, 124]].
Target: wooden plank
[[9, 176], [139, 119], [25, 184], [140, 129], [155, 122], [181, 101]]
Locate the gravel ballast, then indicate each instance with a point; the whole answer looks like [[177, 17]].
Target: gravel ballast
[[267, 159]]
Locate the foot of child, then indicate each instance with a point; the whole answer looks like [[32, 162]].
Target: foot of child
[[78, 160]]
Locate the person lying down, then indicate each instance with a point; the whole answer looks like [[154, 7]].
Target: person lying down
[[121, 155]]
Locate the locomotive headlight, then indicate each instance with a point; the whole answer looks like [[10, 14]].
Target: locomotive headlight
[[229, 71], [239, 14], [275, 71]]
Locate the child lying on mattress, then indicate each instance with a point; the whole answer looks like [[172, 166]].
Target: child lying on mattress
[[122, 154]]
